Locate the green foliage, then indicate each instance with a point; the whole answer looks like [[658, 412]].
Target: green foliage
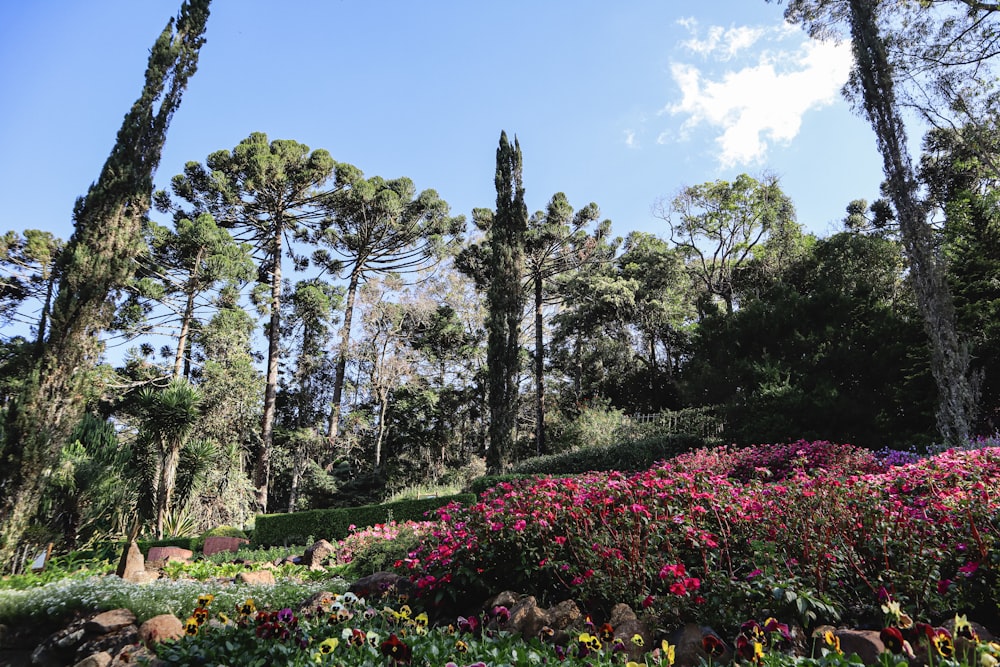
[[59, 599], [833, 350], [334, 524], [624, 456], [596, 425], [218, 531], [379, 555], [182, 542]]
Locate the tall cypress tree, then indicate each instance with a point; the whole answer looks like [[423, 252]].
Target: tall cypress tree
[[505, 298], [98, 261]]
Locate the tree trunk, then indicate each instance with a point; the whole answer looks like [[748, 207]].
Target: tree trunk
[[168, 478], [345, 344], [539, 371], [380, 434], [186, 318], [949, 355], [298, 467], [262, 469], [43, 320]]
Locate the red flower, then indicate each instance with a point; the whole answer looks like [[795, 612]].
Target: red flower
[[892, 638], [396, 649], [712, 645]]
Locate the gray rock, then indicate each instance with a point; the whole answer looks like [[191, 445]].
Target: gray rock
[[317, 554], [102, 659], [160, 628], [865, 643], [258, 577], [109, 621], [132, 565]]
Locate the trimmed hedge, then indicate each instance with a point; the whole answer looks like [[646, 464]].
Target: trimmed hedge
[[334, 524], [182, 542], [626, 456]]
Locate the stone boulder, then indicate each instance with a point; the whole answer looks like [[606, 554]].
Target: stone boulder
[[635, 636], [214, 545], [255, 577], [160, 628], [382, 585], [132, 566], [319, 603], [529, 620], [109, 621], [690, 644], [317, 554], [107, 632], [160, 556], [102, 659], [865, 643]]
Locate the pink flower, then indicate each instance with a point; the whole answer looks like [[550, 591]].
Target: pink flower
[[676, 570], [519, 525], [969, 568]]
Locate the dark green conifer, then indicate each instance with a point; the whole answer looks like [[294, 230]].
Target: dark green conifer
[[505, 297], [98, 261]]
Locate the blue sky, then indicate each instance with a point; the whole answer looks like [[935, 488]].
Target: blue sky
[[618, 103]]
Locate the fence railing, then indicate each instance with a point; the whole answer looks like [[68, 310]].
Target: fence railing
[[703, 421]]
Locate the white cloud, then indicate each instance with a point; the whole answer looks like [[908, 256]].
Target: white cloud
[[763, 102], [723, 43], [630, 139]]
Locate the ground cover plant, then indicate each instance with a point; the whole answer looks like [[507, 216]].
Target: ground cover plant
[[821, 533]]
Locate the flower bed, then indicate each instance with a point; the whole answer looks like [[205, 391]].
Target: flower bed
[[699, 539]]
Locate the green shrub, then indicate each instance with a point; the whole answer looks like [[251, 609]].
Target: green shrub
[[335, 524], [378, 555], [596, 425], [182, 542], [626, 457]]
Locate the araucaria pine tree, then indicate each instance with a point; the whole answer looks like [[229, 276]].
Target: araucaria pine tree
[[505, 298], [97, 262]]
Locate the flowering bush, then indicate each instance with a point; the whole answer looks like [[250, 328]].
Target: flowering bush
[[689, 540], [375, 548]]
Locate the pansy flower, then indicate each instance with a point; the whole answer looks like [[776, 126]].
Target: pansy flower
[[669, 651], [943, 643], [396, 649], [964, 629], [832, 641], [712, 645], [327, 645]]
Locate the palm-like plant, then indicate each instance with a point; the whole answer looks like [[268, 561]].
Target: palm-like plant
[[168, 417]]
